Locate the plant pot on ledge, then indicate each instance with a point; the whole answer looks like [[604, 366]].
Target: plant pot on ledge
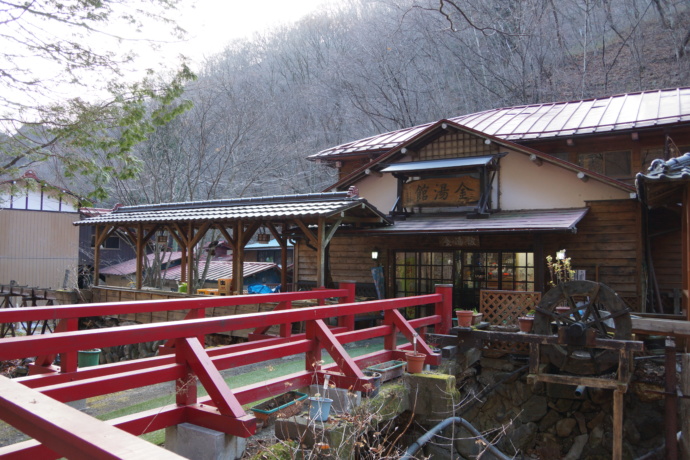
[[415, 362], [477, 318], [526, 323], [464, 317]]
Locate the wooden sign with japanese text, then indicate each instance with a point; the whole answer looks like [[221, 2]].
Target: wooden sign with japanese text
[[447, 191]]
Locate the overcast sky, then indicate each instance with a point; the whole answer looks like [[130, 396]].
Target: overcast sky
[[211, 24]]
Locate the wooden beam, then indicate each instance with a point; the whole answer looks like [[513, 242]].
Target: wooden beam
[[213, 382], [68, 431], [229, 239], [661, 327], [313, 239]]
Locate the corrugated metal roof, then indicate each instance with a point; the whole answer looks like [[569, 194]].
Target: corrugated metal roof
[[267, 208], [539, 220], [543, 121], [221, 269], [130, 266], [439, 164]]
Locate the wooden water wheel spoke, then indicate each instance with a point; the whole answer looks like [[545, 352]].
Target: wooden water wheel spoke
[[598, 323]]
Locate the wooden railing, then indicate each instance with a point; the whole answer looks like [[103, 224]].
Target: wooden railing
[[184, 359]]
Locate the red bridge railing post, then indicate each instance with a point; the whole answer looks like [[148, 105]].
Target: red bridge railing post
[[444, 308], [312, 358], [349, 320]]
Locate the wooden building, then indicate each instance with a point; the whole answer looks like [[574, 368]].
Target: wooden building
[[542, 178], [477, 201], [39, 246]]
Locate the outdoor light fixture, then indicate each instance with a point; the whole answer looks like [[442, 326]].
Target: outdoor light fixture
[[560, 255], [375, 254]]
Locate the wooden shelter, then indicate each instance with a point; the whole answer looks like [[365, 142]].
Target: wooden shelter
[[666, 188], [315, 217]]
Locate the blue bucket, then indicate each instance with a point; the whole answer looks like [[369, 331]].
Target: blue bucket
[[319, 408]]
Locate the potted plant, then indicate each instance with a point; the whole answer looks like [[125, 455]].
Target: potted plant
[[464, 317], [415, 361], [476, 317], [526, 322], [88, 358]]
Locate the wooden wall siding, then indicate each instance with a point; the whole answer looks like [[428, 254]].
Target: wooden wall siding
[[37, 247], [454, 145], [608, 246], [668, 265], [350, 259]]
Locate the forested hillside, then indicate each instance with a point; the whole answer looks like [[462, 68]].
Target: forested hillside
[[361, 67]]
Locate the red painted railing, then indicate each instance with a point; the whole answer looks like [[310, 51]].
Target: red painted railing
[[184, 358]]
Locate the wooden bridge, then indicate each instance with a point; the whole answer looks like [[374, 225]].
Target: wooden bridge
[[61, 431]]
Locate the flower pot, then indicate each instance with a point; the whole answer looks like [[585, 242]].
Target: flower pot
[[88, 358], [415, 362], [375, 384], [477, 318], [319, 408], [526, 323], [464, 317], [283, 406]]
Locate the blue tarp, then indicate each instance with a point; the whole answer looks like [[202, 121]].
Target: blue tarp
[[259, 289]]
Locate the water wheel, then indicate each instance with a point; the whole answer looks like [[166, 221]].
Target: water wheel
[[576, 311]]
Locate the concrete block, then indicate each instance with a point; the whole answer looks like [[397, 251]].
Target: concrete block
[[343, 401], [199, 443], [432, 397], [338, 436], [468, 358], [449, 352]]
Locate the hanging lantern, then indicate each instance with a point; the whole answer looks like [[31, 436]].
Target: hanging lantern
[[263, 237]]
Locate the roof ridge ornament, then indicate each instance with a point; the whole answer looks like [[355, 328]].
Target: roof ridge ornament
[[353, 192]]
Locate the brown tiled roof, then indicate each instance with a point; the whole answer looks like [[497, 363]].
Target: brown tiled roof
[[305, 207], [538, 220], [543, 121]]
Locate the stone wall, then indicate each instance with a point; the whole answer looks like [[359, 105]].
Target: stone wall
[[550, 420]]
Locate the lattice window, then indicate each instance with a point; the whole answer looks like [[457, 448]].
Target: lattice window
[[457, 145], [502, 308]]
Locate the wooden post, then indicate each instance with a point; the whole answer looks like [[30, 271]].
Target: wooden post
[[671, 406], [96, 255], [140, 255], [321, 254], [685, 249], [617, 453], [685, 406]]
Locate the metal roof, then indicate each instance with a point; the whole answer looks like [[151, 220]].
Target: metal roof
[[221, 269], [283, 207], [130, 266], [428, 165], [538, 220], [542, 121]]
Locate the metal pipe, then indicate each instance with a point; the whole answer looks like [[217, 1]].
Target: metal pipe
[[580, 390], [426, 437]]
